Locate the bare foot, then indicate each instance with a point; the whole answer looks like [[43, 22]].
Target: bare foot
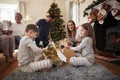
[[13, 58], [9, 60], [67, 61]]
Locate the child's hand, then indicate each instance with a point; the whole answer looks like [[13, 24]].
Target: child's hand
[[67, 61], [68, 47], [43, 49], [42, 57]]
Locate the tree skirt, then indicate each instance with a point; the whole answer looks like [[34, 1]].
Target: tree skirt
[[66, 72]]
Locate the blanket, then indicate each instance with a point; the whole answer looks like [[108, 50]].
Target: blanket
[[66, 72]]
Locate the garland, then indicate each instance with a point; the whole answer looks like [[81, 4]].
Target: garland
[[95, 3], [92, 5]]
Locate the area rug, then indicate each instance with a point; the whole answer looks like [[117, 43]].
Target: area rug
[[67, 72], [117, 58]]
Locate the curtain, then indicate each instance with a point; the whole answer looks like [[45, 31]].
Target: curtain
[[70, 10], [22, 9]]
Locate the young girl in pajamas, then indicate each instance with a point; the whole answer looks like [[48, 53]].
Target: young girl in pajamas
[[84, 51], [28, 50]]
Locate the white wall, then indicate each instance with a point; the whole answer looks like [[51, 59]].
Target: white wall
[[38, 8], [8, 1]]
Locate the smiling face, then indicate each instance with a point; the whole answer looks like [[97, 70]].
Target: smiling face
[[18, 18], [71, 26], [83, 32], [71, 29]]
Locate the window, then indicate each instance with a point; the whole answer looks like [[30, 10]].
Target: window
[[74, 12], [7, 12], [71, 10]]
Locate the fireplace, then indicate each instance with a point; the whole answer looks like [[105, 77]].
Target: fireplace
[[113, 39]]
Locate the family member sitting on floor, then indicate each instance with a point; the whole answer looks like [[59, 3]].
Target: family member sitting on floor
[[84, 51], [44, 26], [28, 50], [72, 32], [18, 28]]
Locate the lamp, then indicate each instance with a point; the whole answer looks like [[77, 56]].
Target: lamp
[[28, 19]]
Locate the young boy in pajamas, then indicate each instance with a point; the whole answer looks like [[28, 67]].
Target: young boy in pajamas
[[27, 51]]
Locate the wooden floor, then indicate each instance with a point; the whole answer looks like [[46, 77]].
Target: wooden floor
[[7, 68], [114, 68]]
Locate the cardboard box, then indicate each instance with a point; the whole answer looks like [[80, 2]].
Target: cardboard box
[[68, 53], [65, 54]]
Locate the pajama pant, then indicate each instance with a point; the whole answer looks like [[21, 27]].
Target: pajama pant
[[79, 61], [36, 65], [8, 45]]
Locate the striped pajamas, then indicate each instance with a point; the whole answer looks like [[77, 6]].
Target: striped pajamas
[[79, 61], [8, 45], [29, 55], [36, 65], [85, 53]]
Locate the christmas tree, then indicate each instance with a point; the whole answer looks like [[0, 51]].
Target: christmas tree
[[58, 28]]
